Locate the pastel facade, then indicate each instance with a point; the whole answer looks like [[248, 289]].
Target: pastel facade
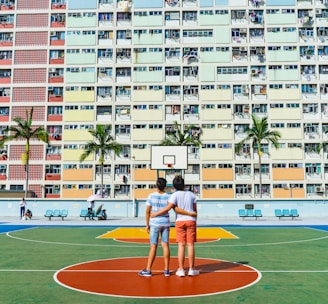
[[141, 65]]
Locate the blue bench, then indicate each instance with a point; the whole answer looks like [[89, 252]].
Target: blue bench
[[56, 213], [49, 214], [250, 213], [286, 213], [85, 214]]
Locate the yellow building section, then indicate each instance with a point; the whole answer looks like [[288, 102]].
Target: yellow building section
[[215, 193], [77, 175], [127, 233], [287, 174], [221, 174], [79, 96]]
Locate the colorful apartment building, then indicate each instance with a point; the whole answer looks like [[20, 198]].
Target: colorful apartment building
[[140, 65]]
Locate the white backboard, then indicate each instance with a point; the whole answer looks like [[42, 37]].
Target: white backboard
[[169, 157]]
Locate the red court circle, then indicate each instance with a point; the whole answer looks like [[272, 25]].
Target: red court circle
[[119, 277]]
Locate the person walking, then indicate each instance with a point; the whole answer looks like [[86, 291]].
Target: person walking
[[185, 225], [22, 205]]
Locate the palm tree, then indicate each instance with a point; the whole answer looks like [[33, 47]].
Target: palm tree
[[258, 134], [189, 137], [103, 144], [25, 131], [323, 144]]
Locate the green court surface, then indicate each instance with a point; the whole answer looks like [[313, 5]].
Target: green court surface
[[291, 260]]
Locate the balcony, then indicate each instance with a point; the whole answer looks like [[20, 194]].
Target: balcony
[[6, 21], [58, 5], [5, 76], [3, 155], [172, 3], [6, 39], [123, 55], [57, 57], [52, 176], [238, 17], [190, 56], [124, 19], [105, 75], [105, 38], [124, 6], [56, 75], [4, 114], [57, 20], [172, 55], [57, 38], [104, 4], [4, 94], [6, 57], [53, 153], [122, 114], [55, 137], [55, 94], [8, 6]]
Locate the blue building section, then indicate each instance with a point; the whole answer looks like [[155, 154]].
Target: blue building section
[[205, 3], [221, 2], [148, 3], [280, 2], [82, 4]]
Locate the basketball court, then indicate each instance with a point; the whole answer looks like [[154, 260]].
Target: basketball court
[[79, 265]]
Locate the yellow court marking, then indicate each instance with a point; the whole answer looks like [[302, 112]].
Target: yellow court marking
[[141, 233]]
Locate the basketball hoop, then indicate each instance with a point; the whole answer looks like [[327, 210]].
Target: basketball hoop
[[169, 166]]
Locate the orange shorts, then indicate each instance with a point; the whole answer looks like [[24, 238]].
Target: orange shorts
[[185, 232]]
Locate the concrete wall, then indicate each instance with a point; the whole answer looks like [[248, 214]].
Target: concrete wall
[[206, 208]]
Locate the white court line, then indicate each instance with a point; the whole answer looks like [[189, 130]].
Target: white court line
[[203, 245], [268, 244], [160, 271]]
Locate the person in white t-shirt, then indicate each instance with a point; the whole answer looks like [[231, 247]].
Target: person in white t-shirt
[[185, 225], [22, 205]]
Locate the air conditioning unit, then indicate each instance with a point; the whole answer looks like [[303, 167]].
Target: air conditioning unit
[[117, 187], [52, 70], [128, 35], [319, 189], [101, 33], [318, 11], [52, 33]]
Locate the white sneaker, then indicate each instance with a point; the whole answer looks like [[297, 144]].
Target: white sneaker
[[180, 273], [193, 272]]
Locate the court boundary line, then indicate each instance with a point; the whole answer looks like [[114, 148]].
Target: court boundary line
[[171, 244], [161, 271]]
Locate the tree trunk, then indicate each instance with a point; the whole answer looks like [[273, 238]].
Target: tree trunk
[[102, 180], [27, 167], [260, 172]]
